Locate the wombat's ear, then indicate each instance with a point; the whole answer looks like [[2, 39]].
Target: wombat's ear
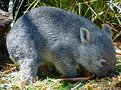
[[107, 30], [85, 35]]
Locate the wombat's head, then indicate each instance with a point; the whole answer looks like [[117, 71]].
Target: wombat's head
[[97, 51]]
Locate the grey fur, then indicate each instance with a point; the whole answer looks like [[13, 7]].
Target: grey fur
[[47, 35]]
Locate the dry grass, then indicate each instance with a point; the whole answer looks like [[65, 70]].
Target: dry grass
[[8, 82]]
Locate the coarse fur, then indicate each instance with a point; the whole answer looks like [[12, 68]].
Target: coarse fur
[[47, 35]]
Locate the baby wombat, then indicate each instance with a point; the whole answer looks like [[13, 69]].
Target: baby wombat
[[49, 35]]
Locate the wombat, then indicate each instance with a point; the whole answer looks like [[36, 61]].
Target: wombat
[[49, 35]]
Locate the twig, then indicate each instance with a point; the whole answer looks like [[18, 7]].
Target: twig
[[76, 79]]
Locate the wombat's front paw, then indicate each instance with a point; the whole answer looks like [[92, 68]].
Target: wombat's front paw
[[72, 73]]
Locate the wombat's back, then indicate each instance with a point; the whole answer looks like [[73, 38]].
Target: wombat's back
[[47, 25]]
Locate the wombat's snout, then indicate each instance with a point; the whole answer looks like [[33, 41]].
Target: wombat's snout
[[105, 73], [105, 70], [102, 75]]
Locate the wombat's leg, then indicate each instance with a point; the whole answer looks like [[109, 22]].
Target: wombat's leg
[[28, 69], [64, 61], [66, 68]]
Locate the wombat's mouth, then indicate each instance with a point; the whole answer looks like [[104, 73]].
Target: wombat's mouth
[[104, 74]]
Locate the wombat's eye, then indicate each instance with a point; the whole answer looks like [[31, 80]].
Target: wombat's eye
[[103, 62]]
